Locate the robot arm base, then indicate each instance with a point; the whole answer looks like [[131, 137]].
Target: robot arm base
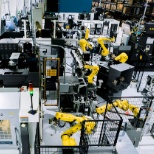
[[68, 141]]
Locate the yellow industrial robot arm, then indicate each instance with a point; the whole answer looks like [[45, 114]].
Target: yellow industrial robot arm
[[67, 140], [68, 117], [122, 104], [122, 58], [102, 108], [125, 105], [117, 103], [94, 72], [72, 118], [101, 41], [87, 33], [135, 110], [84, 45]]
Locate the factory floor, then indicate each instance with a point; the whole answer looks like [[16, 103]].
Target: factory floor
[[146, 146]]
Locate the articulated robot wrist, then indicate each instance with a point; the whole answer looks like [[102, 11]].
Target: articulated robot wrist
[[121, 58]]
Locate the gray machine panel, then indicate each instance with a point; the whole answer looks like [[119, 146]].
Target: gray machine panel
[[9, 120], [9, 100]]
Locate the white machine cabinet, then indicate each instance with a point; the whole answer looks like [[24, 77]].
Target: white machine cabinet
[[9, 120]]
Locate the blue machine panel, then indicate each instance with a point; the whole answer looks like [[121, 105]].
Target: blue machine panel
[[79, 6], [6, 142]]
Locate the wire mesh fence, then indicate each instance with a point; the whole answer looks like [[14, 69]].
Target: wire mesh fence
[[142, 80], [135, 111], [52, 149], [105, 134], [106, 131]]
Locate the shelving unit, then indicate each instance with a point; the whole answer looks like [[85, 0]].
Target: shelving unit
[[129, 8], [150, 9]]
